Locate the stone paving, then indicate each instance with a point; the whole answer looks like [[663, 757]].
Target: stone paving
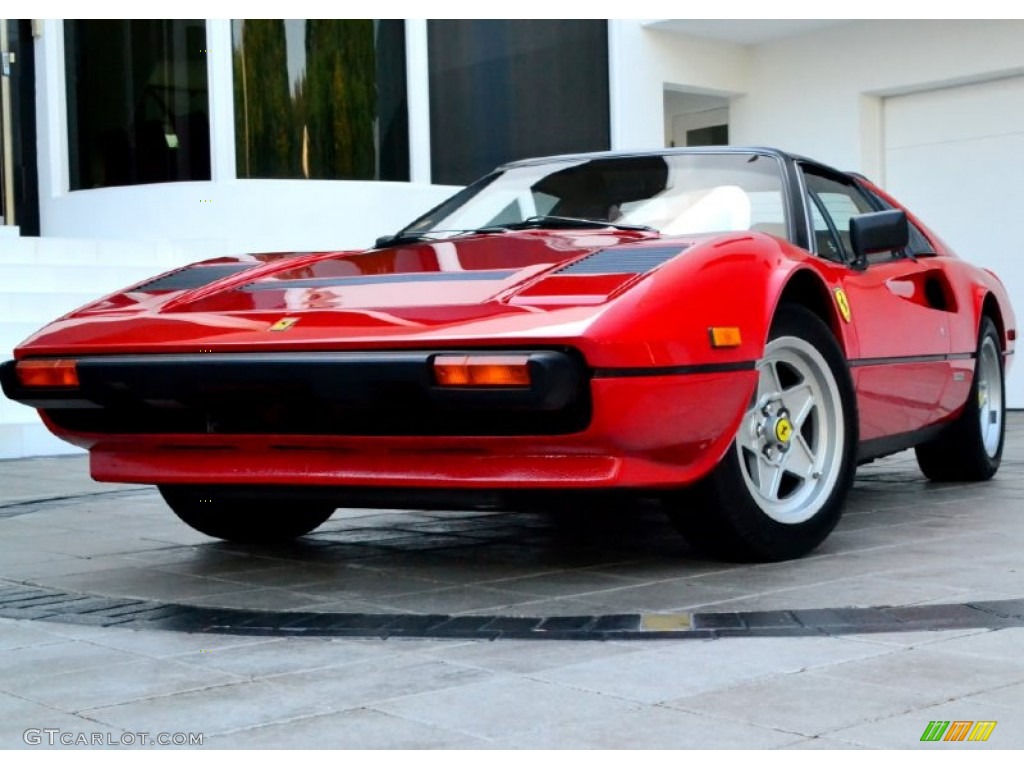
[[902, 542]]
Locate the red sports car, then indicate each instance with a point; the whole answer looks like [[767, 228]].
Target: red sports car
[[730, 330]]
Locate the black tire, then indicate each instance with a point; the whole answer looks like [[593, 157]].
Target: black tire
[[971, 448], [808, 458], [243, 519]]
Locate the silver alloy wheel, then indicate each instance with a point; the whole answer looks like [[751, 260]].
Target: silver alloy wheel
[[990, 396], [791, 440]]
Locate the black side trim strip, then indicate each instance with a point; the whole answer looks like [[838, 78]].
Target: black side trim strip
[[749, 365], [863, 361], [877, 447], [674, 370]]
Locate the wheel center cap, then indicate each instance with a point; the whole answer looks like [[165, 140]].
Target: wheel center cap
[[783, 430]]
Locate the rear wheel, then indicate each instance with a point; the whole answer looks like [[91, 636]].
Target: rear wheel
[[779, 490], [240, 518], [971, 448]]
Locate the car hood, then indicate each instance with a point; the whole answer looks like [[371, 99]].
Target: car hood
[[473, 287]]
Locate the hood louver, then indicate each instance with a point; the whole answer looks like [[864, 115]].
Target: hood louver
[[193, 277], [628, 260]]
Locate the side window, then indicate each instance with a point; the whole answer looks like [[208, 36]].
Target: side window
[[834, 203]]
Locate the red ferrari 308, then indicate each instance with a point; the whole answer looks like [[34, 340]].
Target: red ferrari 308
[[729, 330]]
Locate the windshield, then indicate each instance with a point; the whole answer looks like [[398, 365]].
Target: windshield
[[680, 194]]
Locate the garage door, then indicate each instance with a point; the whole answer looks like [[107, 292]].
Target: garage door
[[955, 157]]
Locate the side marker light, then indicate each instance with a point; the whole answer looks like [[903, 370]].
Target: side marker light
[[724, 337]]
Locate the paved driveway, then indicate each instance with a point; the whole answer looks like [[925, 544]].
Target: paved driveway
[[122, 620]]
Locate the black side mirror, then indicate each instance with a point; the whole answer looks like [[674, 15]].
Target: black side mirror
[[877, 232]]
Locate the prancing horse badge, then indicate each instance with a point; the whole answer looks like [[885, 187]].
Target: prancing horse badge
[[284, 323], [842, 303]]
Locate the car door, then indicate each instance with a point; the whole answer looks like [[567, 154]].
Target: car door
[[897, 305]]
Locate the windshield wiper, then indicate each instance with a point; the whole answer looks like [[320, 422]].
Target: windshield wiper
[[426, 235], [572, 222], [415, 236]]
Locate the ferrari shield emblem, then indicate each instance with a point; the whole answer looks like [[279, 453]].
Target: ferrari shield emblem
[[284, 323], [842, 303]]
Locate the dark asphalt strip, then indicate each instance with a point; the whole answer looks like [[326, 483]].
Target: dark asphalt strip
[[19, 601]]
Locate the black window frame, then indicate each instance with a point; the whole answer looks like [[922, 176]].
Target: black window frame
[[846, 256], [874, 203], [815, 202]]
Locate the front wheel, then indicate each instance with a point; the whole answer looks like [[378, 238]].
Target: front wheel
[[243, 519], [971, 448], [779, 490]]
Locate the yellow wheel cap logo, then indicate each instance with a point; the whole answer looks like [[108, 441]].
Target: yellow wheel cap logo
[[284, 323], [842, 303], [783, 430]]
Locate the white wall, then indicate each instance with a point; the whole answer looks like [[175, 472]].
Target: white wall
[[819, 94], [643, 60], [213, 218]]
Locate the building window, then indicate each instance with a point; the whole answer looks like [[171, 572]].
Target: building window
[[138, 101], [504, 90], [320, 99], [712, 135]]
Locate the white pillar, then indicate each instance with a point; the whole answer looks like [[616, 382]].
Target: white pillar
[[222, 100], [417, 83], [615, 70], [51, 116]]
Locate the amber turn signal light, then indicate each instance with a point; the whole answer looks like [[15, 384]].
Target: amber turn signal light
[[482, 371], [47, 373], [724, 337]]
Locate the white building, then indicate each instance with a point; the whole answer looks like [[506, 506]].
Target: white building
[[133, 147]]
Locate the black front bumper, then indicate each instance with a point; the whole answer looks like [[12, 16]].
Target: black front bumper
[[308, 393]]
